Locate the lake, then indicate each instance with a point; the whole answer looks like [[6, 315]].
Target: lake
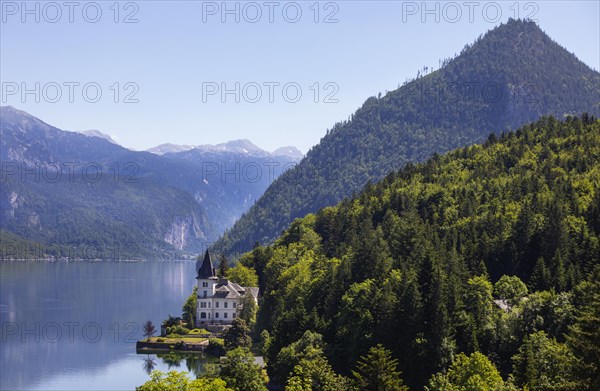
[[73, 325]]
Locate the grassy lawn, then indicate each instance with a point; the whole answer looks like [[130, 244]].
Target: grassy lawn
[[175, 340]]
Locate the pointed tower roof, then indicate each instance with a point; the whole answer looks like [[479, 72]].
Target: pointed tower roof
[[207, 270]]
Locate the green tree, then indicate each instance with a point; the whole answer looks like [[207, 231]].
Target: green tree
[[315, 374], [243, 275], [265, 342], [208, 384], [309, 346], [540, 277], [238, 335], [543, 364], [241, 373], [377, 371], [223, 266], [179, 381], [468, 373], [355, 319], [584, 335], [547, 311], [149, 329], [481, 309], [190, 307], [511, 289], [248, 310], [171, 321]]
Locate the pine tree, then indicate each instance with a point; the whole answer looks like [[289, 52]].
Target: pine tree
[[238, 335], [223, 266], [377, 371], [584, 335], [540, 277]]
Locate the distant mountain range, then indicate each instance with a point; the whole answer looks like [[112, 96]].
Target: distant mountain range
[[81, 195], [242, 147], [511, 76]]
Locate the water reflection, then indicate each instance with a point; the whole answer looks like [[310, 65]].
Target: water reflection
[[73, 325], [149, 364], [197, 364]]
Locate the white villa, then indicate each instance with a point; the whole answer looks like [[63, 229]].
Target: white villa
[[219, 300]]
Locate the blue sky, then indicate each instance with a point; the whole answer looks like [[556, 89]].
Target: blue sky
[[172, 62]]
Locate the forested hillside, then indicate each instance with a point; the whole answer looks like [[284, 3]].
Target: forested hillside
[[481, 266], [513, 75]]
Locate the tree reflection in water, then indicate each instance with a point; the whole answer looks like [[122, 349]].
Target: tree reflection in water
[[149, 364], [197, 364]]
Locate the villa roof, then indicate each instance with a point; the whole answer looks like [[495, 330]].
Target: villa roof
[[206, 270], [226, 289]]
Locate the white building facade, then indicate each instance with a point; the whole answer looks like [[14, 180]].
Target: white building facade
[[219, 300]]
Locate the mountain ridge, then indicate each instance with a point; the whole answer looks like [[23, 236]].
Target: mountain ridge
[[99, 134], [73, 191], [239, 146], [513, 74]]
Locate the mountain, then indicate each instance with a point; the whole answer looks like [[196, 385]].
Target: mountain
[[241, 147], [229, 177], [169, 148], [97, 133], [409, 264], [84, 197], [68, 194], [235, 146], [291, 152], [512, 75]]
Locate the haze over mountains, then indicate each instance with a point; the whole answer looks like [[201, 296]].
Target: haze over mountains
[[512, 75], [82, 195], [243, 147]]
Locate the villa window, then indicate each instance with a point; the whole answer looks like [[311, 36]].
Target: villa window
[[203, 305], [225, 305], [205, 294], [225, 315], [216, 315], [217, 304], [234, 305], [233, 315], [205, 285]]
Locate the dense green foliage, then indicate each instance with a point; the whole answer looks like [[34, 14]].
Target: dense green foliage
[[238, 335], [490, 251], [189, 309], [377, 371], [513, 75], [241, 373], [178, 381], [473, 373]]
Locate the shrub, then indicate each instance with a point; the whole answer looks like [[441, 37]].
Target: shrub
[[199, 332], [177, 330], [216, 346]]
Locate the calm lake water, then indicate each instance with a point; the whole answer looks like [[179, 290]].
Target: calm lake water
[[73, 325]]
